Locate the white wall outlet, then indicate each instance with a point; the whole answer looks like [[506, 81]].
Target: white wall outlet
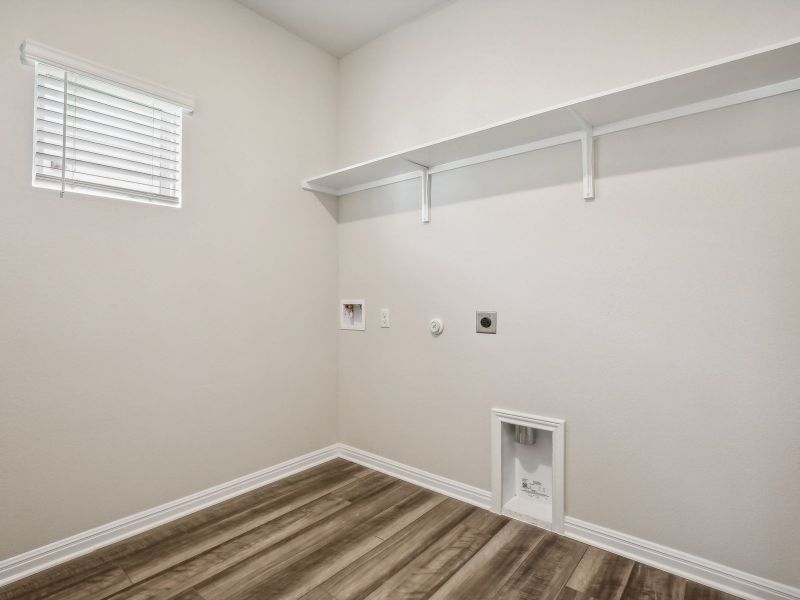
[[385, 317]]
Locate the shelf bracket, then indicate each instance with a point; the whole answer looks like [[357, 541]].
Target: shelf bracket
[[425, 214], [425, 178], [587, 155]]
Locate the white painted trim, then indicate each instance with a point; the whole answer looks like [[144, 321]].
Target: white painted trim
[[715, 575], [77, 545], [556, 427], [437, 483], [31, 52], [674, 561]]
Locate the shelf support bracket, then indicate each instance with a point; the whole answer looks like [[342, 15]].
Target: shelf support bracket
[[587, 155], [425, 215], [425, 178]]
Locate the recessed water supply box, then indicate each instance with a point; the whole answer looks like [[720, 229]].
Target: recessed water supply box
[[528, 468]]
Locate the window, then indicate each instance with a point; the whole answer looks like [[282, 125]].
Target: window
[[100, 132]]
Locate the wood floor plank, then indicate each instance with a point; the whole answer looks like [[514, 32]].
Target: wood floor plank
[[175, 580], [272, 576], [277, 541], [96, 566], [100, 585], [366, 574], [47, 583], [492, 566], [545, 570], [697, 591], [648, 583], [320, 476], [295, 579], [421, 577], [157, 557], [568, 593], [601, 575], [318, 594], [189, 595]]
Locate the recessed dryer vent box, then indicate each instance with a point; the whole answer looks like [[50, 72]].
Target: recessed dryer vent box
[[528, 468]]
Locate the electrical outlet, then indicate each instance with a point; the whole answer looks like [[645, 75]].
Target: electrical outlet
[[485, 322], [385, 317]]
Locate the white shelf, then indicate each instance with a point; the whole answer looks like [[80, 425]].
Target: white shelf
[[742, 78]]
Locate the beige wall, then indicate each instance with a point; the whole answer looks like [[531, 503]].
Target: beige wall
[[147, 352], [661, 321]]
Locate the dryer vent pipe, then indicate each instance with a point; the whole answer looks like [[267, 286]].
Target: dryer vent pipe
[[524, 435]]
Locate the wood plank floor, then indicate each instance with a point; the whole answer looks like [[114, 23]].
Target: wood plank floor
[[340, 531]]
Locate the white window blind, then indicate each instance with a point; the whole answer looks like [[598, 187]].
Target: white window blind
[[96, 137]]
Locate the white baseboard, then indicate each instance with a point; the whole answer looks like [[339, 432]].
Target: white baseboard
[[715, 575], [48, 556], [448, 487], [674, 561]]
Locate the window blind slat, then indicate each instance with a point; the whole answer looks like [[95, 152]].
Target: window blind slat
[[83, 91], [77, 182], [75, 179], [55, 119], [106, 159], [81, 142], [152, 120], [86, 114], [107, 90], [52, 181], [88, 167]]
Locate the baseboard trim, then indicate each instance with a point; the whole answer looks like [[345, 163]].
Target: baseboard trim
[[22, 565], [673, 561], [448, 487], [715, 575]]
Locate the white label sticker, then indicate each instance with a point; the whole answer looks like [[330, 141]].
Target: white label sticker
[[534, 489]]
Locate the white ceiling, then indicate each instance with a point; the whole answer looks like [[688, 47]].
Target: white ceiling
[[341, 26]]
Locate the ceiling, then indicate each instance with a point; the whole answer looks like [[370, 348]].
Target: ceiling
[[341, 26]]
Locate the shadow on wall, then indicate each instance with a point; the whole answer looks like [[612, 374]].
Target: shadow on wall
[[330, 204], [756, 127]]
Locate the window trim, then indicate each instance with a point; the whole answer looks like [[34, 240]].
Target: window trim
[[32, 52]]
